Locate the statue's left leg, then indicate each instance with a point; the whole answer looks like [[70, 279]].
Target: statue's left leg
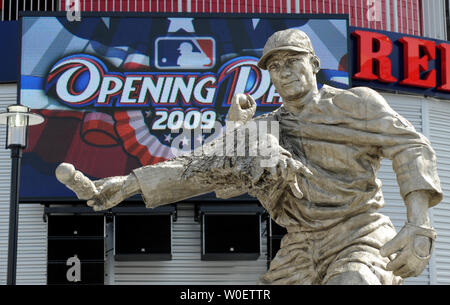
[[360, 265]]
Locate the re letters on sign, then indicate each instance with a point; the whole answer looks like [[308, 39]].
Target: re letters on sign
[[374, 64]]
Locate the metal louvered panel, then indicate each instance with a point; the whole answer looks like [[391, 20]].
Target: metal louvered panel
[[433, 17], [186, 266], [409, 107], [32, 246], [439, 126], [10, 9], [8, 95], [405, 14]]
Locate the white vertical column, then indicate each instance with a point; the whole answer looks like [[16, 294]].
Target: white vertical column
[[419, 29], [381, 17], [363, 16], [395, 11], [407, 17]]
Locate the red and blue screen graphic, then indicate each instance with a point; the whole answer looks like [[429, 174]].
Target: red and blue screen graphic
[[113, 90]]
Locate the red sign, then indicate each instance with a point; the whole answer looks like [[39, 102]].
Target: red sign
[[405, 60]]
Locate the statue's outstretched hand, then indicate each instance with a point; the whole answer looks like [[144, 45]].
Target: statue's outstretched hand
[[109, 193], [100, 194], [413, 245]]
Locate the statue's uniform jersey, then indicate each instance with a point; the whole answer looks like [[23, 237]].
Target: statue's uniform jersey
[[342, 136]]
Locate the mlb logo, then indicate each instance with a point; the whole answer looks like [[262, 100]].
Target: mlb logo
[[178, 53]]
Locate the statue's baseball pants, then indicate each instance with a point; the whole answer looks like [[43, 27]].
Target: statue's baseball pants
[[347, 253]]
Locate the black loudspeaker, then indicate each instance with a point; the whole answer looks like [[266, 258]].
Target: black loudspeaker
[[75, 226], [75, 249], [143, 237], [277, 233], [231, 236]]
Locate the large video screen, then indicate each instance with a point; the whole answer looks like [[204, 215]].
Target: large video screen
[[120, 92]]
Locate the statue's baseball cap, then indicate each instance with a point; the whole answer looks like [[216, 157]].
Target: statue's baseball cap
[[290, 40]]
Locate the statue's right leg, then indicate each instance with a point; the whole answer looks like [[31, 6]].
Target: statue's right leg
[[358, 274], [293, 264]]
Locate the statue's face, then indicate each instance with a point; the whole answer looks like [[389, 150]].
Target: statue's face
[[293, 74]]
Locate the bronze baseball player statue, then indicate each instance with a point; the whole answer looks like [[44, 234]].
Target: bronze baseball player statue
[[323, 186]]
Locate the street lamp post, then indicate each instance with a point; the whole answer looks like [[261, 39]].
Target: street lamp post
[[17, 119]]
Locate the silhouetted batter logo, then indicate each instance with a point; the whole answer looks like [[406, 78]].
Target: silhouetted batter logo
[[178, 53]]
